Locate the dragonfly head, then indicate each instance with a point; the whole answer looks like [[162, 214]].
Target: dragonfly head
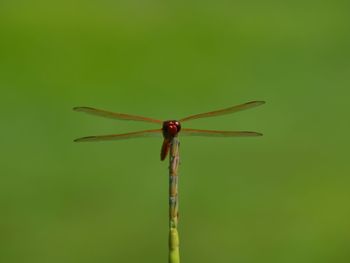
[[171, 128]]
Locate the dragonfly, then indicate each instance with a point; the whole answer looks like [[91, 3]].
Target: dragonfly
[[169, 128]]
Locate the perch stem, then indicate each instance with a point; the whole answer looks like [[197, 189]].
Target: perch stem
[[174, 161]]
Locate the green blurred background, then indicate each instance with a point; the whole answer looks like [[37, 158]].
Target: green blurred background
[[283, 197]]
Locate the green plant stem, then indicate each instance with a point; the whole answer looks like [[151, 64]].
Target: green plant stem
[[174, 161]]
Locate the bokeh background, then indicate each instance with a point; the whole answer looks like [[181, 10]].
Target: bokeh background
[[283, 197]]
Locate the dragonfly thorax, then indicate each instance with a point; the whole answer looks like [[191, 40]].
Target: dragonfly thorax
[[171, 128]]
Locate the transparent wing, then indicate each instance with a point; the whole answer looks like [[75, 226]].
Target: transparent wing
[[229, 110], [213, 133], [113, 115], [131, 135]]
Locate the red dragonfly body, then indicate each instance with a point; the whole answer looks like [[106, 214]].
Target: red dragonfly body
[[171, 128]]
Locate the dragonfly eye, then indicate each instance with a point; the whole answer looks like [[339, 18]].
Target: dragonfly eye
[[172, 129], [178, 125]]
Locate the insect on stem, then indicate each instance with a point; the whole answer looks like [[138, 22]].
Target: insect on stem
[[170, 129]]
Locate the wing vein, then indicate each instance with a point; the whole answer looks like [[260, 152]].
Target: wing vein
[[123, 136], [229, 110], [215, 133], [114, 115]]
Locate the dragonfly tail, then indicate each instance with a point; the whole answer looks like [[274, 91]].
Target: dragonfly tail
[[165, 149]]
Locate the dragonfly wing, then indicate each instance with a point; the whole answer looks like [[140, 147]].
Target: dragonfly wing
[[112, 137], [114, 115], [212, 133], [229, 110]]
